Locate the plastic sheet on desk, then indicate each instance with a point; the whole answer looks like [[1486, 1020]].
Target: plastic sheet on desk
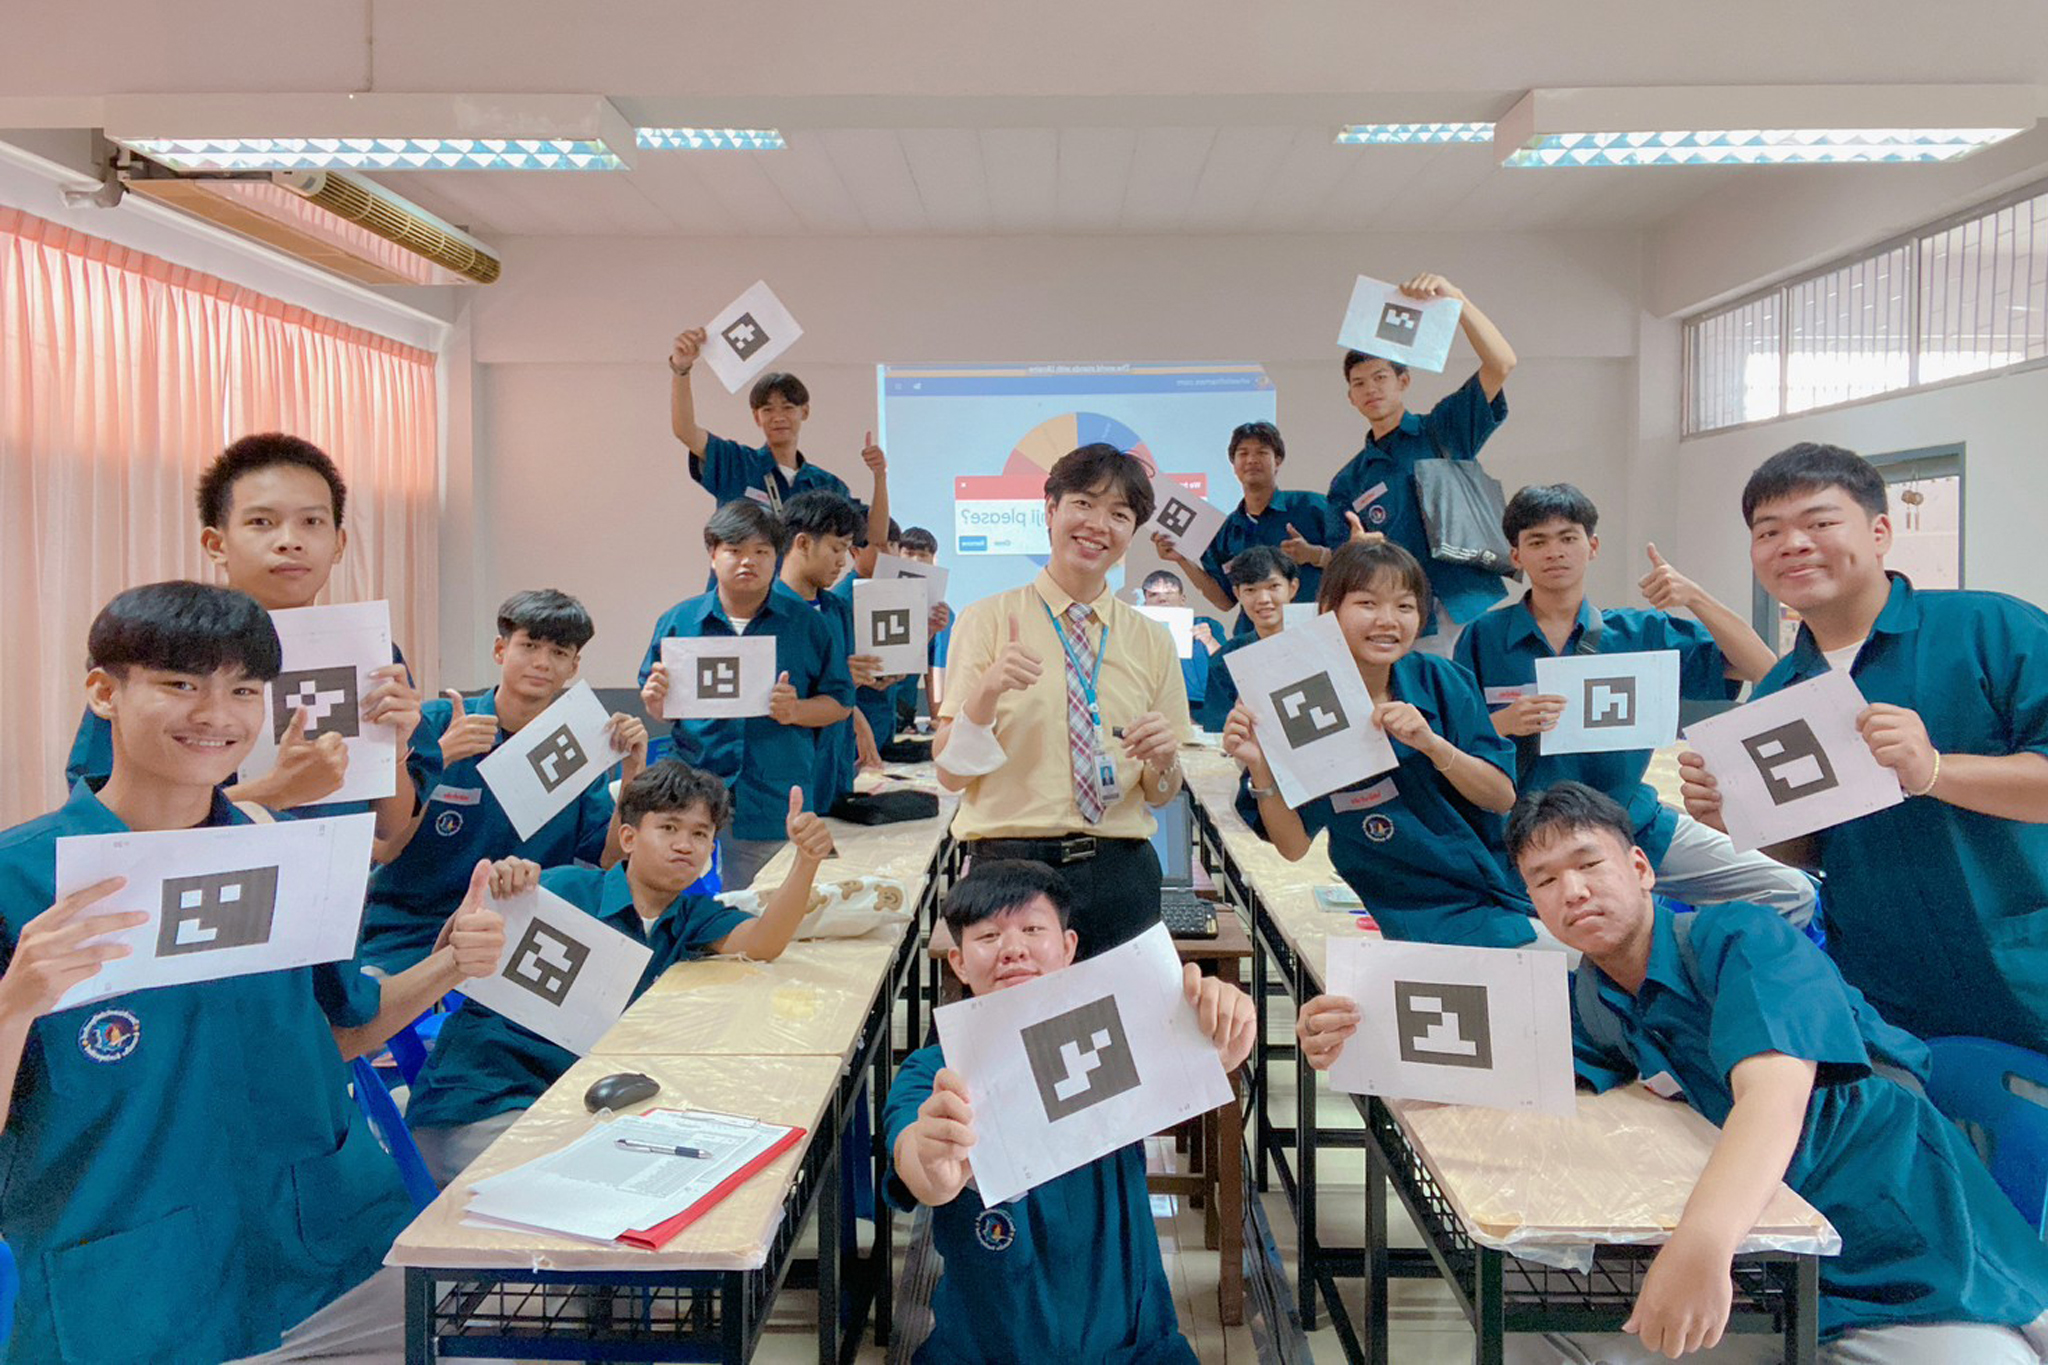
[[735, 1234], [1550, 1189], [813, 999], [849, 907], [902, 850]]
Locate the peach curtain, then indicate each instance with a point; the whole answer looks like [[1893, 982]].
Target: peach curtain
[[121, 376]]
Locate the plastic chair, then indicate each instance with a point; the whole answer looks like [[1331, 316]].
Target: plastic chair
[[410, 1045], [10, 1284], [380, 1111], [1998, 1094], [710, 884]]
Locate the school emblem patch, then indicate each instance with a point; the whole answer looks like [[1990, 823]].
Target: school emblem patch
[[1377, 514], [1379, 828], [448, 823], [110, 1035], [995, 1230]]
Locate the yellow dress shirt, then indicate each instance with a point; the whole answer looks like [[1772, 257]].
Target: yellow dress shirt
[[1032, 795]]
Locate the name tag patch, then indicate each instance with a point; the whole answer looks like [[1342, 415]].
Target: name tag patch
[[1364, 798], [1368, 497], [455, 796], [1501, 696]]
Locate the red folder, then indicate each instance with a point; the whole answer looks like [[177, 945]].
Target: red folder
[[664, 1232]]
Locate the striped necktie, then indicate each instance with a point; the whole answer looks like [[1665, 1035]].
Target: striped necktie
[[1080, 726]]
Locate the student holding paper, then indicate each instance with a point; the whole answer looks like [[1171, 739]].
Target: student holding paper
[[1421, 845], [1935, 907], [1301, 525], [486, 1070], [1071, 1271], [822, 527], [1552, 530], [880, 698], [1807, 1084], [541, 634], [756, 756], [771, 473], [1164, 589], [270, 510], [1265, 581], [1376, 489], [1064, 709], [196, 1143], [922, 546]]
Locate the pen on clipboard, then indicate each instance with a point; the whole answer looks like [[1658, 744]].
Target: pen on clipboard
[[661, 1149]]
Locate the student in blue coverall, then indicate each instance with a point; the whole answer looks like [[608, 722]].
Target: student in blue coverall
[[1265, 581], [1163, 588], [1421, 845], [921, 545], [1377, 486], [270, 518], [1552, 528], [822, 528], [485, 1070], [541, 634], [759, 757], [1807, 1084], [184, 1178], [1936, 909], [1070, 1271], [769, 473]]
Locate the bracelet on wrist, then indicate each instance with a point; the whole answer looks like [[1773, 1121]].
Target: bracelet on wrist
[[682, 373], [1932, 777], [1261, 793]]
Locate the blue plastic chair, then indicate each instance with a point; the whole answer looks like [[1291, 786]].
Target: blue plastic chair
[[711, 883], [10, 1284], [380, 1111], [1998, 1094]]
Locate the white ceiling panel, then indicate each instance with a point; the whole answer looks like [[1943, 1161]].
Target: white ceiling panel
[[1023, 168], [950, 180], [872, 165], [1094, 168], [1166, 164]]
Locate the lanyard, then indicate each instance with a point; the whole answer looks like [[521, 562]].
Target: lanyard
[[1094, 677]]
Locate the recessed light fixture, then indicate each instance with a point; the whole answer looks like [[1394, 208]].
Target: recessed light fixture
[[710, 139], [1754, 147], [378, 154], [1412, 134]]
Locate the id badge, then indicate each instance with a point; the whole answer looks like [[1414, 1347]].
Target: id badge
[[1105, 769]]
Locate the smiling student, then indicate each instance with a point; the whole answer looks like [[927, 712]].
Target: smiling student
[[1063, 765], [1937, 909], [1265, 581]]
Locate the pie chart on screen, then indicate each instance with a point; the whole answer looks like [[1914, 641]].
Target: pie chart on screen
[[1043, 445], [1004, 513]]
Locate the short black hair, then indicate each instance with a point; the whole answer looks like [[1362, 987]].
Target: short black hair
[[776, 384], [820, 512], [742, 520], [1353, 359], [1542, 503], [895, 531], [1809, 467], [546, 615], [1359, 565], [918, 539], [1265, 433], [1087, 468], [1164, 576], [994, 885], [1541, 816], [184, 627], [1259, 563], [265, 450], [673, 785]]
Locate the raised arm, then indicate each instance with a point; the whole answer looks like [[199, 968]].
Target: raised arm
[[1284, 829], [1199, 578], [764, 937], [1749, 658], [878, 509], [682, 403], [470, 943], [1496, 357]]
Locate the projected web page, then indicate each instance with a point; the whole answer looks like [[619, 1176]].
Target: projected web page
[[969, 447]]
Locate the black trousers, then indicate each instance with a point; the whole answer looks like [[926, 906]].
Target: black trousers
[[1116, 892]]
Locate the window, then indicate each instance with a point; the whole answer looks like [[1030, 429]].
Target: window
[[1963, 297]]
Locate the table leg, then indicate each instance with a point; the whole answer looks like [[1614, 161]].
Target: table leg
[[831, 1228], [883, 1255], [1305, 1180], [1229, 1207], [1261, 1074], [419, 1316], [1802, 1311], [1489, 1310], [1376, 1262]]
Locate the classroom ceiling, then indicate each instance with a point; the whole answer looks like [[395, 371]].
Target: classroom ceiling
[[1060, 116]]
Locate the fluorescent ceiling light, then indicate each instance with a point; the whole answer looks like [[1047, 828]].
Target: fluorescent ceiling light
[[1754, 147], [378, 154], [710, 139], [1410, 134]]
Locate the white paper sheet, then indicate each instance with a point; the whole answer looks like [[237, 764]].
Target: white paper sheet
[[1793, 762], [329, 653], [1310, 710], [934, 575], [892, 620], [1179, 623], [1186, 518], [551, 761], [747, 335], [595, 1190], [566, 975], [1079, 1063], [1297, 614], [1612, 702], [1383, 321], [1482, 1026], [718, 677], [224, 901]]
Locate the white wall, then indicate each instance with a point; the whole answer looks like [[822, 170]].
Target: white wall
[[571, 424], [1999, 422]]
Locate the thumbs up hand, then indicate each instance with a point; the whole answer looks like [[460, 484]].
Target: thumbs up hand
[[812, 838], [1359, 534], [782, 701], [1666, 588], [1018, 666], [466, 735], [871, 456]]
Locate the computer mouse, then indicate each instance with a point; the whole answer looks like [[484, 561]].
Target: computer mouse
[[620, 1091]]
